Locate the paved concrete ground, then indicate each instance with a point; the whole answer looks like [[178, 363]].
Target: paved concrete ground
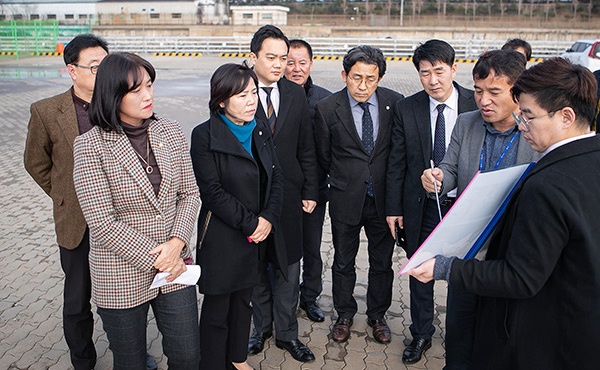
[[31, 279]]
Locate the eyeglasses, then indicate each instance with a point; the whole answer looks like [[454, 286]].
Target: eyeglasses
[[526, 122], [369, 81], [92, 69]]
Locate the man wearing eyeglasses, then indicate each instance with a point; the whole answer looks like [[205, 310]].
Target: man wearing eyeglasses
[[353, 143], [487, 139], [53, 126], [539, 286]]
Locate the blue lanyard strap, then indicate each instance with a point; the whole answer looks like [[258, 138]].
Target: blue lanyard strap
[[501, 155]]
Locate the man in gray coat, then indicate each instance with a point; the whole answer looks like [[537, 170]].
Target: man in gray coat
[[483, 140]]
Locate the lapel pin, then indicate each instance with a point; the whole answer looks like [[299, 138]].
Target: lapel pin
[[259, 133], [387, 107]]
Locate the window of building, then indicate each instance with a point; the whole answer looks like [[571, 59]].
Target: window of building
[[51, 16], [154, 15], [17, 17], [34, 17], [83, 16], [69, 16], [176, 15], [247, 15], [2, 17], [267, 15]]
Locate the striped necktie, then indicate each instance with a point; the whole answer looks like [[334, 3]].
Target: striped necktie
[[271, 117]]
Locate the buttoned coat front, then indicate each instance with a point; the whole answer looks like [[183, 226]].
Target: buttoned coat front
[[342, 154], [49, 160], [126, 218], [237, 188]]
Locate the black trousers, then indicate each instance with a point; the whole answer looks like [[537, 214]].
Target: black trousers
[[421, 295], [312, 264], [461, 313], [78, 322], [224, 329], [346, 240]]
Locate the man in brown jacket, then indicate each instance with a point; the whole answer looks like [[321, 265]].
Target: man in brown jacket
[[53, 126]]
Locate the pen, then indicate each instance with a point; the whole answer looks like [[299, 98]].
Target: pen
[[437, 195]]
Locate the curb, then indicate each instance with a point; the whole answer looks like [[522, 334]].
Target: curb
[[174, 54]]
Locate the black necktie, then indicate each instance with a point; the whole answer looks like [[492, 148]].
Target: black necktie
[[439, 139], [367, 138], [270, 111]]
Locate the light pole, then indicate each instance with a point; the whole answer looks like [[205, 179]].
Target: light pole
[[357, 15]]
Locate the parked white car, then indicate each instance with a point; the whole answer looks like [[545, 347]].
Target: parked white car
[[584, 52]]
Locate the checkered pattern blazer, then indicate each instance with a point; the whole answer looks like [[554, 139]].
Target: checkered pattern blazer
[[126, 218]]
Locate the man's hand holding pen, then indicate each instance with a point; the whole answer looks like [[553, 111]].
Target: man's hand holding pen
[[432, 180]]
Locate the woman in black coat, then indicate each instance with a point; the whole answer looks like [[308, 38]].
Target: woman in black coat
[[241, 187]]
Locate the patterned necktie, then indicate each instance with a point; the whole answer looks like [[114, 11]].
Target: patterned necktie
[[367, 138], [270, 111], [367, 128], [439, 139]]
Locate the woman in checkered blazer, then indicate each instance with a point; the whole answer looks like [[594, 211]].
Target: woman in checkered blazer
[[134, 180]]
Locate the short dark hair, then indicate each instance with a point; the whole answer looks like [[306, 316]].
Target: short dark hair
[[118, 74], [434, 51], [514, 44], [557, 83], [297, 43], [366, 54], [228, 80], [508, 63], [266, 32], [79, 43]]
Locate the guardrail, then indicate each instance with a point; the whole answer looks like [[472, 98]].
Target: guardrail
[[465, 49]]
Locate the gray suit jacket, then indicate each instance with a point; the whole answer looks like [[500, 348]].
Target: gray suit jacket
[[461, 161]]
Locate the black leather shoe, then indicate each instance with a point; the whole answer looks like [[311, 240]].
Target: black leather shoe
[[297, 349], [256, 343], [412, 354], [313, 312]]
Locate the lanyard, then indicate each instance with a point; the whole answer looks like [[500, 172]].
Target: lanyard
[[501, 155]]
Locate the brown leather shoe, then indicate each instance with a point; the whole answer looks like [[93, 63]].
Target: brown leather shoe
[[341, 329], [381, 331]]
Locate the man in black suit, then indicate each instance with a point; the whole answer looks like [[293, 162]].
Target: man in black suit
[[282, 104], [298, 68], [353, 143], [420, 127]]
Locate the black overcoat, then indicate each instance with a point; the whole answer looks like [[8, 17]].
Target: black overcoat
[[539, 287], [237, 188], [295, 148]]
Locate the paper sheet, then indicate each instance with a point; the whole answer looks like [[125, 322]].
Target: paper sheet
[[189, 277], [465, 222]]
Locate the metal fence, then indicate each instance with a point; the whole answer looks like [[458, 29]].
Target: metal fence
[[465, 49]]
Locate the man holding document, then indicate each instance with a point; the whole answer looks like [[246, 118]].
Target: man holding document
[[539, 287], [487, 139]]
